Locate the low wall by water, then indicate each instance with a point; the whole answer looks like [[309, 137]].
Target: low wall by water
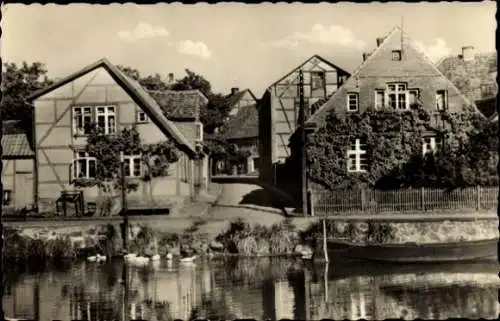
[[65, 241], [445, 231]]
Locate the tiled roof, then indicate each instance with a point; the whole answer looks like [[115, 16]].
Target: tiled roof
[[245, 124], [470, 76], [233, 99], [15, 142], [136, 92], [180, 104]]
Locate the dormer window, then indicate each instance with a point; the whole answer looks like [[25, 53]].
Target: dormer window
[[396, 55]]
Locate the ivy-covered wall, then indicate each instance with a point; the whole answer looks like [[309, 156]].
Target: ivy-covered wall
[[393, 144]]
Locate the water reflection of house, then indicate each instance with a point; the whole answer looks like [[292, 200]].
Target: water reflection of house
[[284, 300]]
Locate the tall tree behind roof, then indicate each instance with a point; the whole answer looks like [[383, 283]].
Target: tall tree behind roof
[[17, 83]]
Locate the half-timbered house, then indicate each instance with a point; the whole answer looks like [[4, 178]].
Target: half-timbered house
[[100, 93], [279, 108]]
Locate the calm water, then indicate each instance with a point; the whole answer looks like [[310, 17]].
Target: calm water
[[256, 288]]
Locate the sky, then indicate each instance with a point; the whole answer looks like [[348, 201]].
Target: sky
[[232, 44]]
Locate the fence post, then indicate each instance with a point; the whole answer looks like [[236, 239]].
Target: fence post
[[478, 191], [422, 198]]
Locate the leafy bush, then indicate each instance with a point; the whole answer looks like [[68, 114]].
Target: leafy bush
[[380, 233]]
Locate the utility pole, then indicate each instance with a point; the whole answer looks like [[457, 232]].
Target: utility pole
[[303, 160], [124, 203]]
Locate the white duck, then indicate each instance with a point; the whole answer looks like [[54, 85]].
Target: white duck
[[101, 258], [188, 259], [155, 257]]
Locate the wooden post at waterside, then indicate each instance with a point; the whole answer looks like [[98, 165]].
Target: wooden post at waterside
[[325, 243], [124, 203]]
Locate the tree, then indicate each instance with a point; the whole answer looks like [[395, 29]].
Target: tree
[[155, 160], [193, 81], [214, 114], [150, 82], [18, 82]]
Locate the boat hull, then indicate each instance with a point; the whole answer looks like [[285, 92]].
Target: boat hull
[[419, 253]]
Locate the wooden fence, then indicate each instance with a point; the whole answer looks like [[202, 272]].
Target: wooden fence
[[404, 200]]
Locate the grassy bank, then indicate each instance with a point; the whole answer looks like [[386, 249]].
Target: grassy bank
[[234, 238]]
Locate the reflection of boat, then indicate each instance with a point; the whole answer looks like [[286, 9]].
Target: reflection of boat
[[351, 268], [418, 253]]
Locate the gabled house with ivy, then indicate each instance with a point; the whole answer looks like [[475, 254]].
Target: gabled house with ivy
[[400, 86]]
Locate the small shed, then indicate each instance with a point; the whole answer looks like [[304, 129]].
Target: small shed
[[18, 157]]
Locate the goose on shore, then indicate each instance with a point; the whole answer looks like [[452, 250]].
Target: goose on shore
[[188, 259]]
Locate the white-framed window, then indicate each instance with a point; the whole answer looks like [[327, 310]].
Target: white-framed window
[[397, 96], [198, 131], [396, 55], [430, 145], [106, 119], [132, 165], [82, 119], [84, 166], [441, 102], [356, 157], [141, 116], [352, 102], [379, 99]]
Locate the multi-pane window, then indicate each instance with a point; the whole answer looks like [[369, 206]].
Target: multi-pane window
[[106, 119], [103, 116], [199, 131], [396, 55], [440, 100], [397, 96], [317, 80], [132, 165], [356, 157], [82, 119], [84, 165], [430, 145], [352, 102], [141, 116], [379, 99]]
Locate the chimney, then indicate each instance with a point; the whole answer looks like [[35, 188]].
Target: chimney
[[170, 77], [234, 90], [468, 53], [379, 41], [365, 55]]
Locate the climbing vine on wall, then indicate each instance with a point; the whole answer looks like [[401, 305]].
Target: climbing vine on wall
[[393, 145]]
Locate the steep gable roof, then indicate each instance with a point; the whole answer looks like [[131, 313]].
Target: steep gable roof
[[368, 69], [233, 99], [183, 104], [137, 93], [245, 124], [315, 56]]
